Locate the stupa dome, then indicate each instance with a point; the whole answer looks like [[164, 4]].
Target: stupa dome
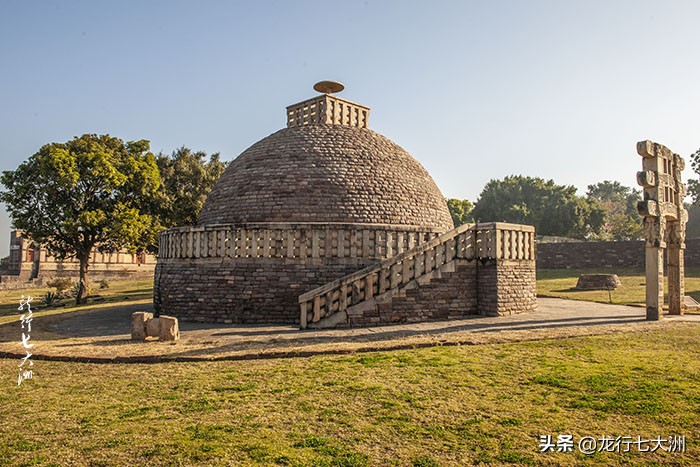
[[327, 167], [327, 223]]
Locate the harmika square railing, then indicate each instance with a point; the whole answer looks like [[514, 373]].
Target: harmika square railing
[[327, 109]]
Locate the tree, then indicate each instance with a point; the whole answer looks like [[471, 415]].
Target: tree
[[460, 210], [90, 192], [552, 209], [692, 228], [693, 225], [187, 178], [693, 183], [621, 220]]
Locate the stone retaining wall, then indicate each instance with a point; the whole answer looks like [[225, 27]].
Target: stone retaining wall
[[263, 273], [449, 294], [507, 288], [460, 288], [581, 255], [244, 290]]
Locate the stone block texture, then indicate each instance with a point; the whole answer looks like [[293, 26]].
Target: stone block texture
[[153, 327], [245, 290], [330, 174], [626, 254], [169, 328], [138, 324], [507, 288], [460, 289]]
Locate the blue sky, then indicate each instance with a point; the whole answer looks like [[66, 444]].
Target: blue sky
[[474, 90]]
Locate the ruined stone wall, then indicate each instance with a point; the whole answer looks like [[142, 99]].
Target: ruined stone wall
[[29, 265], [581, 255], [244, 290]]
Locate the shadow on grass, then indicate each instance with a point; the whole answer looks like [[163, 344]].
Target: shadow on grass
[[123, 341]]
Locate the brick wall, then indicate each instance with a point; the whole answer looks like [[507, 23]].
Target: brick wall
[[461, 288], [516, 288], [629, 254], [451, 293], [246, 290]]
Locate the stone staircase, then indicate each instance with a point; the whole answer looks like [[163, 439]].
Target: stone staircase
[[452, 275]]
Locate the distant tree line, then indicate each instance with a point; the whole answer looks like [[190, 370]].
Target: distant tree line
[[608, 211]]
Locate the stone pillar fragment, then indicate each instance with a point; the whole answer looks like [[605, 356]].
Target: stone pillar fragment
[[138, 324], [169, 330]]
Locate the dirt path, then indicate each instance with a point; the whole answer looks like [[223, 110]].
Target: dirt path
[[102, 335]]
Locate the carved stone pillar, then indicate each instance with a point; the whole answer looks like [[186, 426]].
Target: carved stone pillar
[[654, 229], [676, 266], [664, 192]]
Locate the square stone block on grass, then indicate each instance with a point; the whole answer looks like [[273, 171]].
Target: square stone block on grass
[[138, 325], [169, 329]]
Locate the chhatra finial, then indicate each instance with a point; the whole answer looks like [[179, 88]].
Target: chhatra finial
[[328, 87]]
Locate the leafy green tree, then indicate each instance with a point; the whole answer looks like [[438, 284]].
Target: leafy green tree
[[693, 226], [552, 209], [460, 210], [90, 192], [187, 178], [621, 220], [694, 183]]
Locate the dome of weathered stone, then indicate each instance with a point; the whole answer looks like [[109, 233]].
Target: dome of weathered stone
[[326, 173]]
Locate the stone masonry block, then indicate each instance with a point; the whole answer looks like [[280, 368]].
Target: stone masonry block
[[153, 327], [138, 324], [169, 329]]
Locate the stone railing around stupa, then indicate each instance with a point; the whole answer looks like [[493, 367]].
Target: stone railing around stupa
[[254, 273], [473, 269], [301, 240]]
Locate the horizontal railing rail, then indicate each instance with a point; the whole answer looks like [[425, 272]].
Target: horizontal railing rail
[[305, 240]]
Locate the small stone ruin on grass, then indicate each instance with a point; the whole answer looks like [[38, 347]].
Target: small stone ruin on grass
[[145, 327], [598, 282]]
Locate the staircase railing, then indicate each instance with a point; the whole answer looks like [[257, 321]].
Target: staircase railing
[[494, 240]]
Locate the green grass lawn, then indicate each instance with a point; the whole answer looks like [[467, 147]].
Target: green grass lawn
[[561, 282], [424, 407], [439, 406]]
